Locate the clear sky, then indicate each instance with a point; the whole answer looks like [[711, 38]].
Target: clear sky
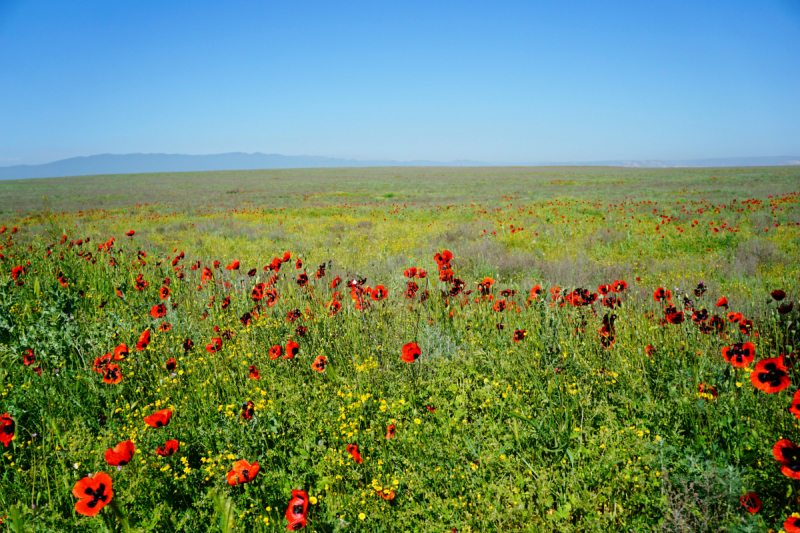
[[491, 81]]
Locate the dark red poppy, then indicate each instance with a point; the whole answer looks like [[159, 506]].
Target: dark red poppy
[[390, 431], [302, 280], [739, 354], [699, 315], [93, 493], [352, 449], [746, 326], [320, 363], [778, 295], [675, 317], [163, 293], [604, 289], [792, 524], [700, 290], [243, 472], [275, 351], [158, 419], [734, 317], [248, 410], [121, 454], [254, 373], [411, 352], [297, 511], [171, 364], [7, 429], [770, 375], [661, 294], [751, 502], [112, 374], [786, 308], [121, 352], [215, 345], [301, 331], [788, 455], [28, 358], [520, 335], [188, 345], [292, 349], [169, 448]]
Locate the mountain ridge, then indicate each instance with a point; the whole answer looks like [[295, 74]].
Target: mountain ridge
[[103, 164]]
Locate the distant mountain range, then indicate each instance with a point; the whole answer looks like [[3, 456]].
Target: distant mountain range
[[142, 163]]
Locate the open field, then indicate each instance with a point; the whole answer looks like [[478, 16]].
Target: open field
[[556, 388]]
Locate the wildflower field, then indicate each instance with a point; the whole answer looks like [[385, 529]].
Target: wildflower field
[[401, 349]]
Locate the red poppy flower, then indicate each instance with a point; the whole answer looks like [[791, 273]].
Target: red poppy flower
[[297, 510], [158, 419], [390, 431], [751, 502], [661, 294], [301, 331], [675, 317], [28, 358], [130, 233], [169, 448], [379, 293], [188, 345], [619, 286], [386, 493], [604, 289], [335, 282], [650, 350], [352, 449], [786, 308], [275, 351], [795, 408], [248, 410], [121, 454], [243, 472], [254, 373], [788, 455], [215, 345], [320, 363], [207, 275], [144, 340], [334, 307], [112, 374], [778, 295], [233, 266], [411, 352], [163, 293], [792, 524], [158, 311], [739, 354], [734, 317], [770, 375], [520, 335], [746, 326], [93, 493], [410, 272], [535, 292], [699, 315], [121, 352], [165, 326], [171, 364], [292, 349], [722, 302], [7, 429], [302, 280], [500, 305]]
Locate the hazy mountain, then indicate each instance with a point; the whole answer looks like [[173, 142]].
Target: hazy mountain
[[141, 163]]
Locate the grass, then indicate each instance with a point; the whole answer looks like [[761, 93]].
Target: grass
[[557, 432]]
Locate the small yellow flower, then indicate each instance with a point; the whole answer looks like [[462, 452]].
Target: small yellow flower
[[417, 421], [313, 500], [361, 516]]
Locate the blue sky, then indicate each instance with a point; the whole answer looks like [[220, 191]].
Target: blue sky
[[489, 81]]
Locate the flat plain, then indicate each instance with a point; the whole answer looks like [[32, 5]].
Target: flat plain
[[401, 349]]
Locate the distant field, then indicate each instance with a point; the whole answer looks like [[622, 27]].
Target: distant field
[[440, 185], [600, 349]]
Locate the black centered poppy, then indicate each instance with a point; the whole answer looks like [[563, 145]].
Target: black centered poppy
[[773, 375], [98, 495]]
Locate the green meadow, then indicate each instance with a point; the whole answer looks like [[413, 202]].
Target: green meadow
[[600, 349]]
